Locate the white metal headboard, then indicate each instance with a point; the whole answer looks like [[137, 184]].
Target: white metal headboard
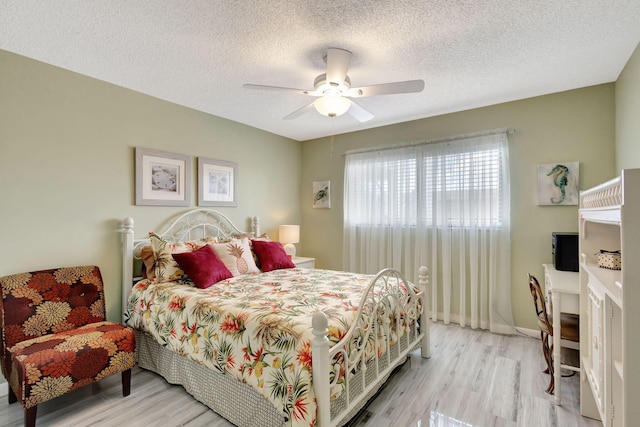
[[191, 225]]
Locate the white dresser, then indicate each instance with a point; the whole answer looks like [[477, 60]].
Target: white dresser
[[609, 218]]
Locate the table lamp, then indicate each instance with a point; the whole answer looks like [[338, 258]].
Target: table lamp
[[288, 235]]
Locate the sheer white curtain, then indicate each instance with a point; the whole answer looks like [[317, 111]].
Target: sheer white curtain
[[444, 205]]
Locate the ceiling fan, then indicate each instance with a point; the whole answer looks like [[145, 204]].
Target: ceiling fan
[[333, 89]]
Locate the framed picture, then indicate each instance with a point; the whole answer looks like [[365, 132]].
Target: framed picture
[[218, 183], [558, 184], [322, 194], [162, 179]]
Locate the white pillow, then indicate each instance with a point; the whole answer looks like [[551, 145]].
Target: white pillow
[[236, 255]]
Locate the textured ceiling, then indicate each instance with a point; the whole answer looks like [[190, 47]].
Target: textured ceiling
[[199, 53]]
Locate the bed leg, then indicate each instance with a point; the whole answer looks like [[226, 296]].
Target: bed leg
[[423, 285], [320, 366]]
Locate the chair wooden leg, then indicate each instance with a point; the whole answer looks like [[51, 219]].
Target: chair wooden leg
[[12, 396], [126, 382], [30, 416], [543, 340], [547, 351], [551, 387]]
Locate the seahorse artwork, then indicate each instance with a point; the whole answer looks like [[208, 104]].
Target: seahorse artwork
[[560, 176], [558, 183]]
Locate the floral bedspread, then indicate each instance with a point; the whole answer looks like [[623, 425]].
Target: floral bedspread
[[254, 327]]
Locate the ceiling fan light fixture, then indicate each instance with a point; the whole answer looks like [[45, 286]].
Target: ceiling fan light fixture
[[333, 90], [332, 105]]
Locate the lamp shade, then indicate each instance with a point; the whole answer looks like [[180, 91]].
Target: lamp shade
[[332, 105], [288, 235]]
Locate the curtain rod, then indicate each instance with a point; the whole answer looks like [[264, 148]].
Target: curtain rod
[[432, 141]]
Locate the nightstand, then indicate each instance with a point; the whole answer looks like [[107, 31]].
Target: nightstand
[[303, 262]]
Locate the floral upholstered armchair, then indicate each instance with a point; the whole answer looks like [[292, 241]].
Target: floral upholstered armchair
[[55, 338]]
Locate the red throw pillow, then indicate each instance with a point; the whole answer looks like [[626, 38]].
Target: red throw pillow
[[203, 266], [271, 255]]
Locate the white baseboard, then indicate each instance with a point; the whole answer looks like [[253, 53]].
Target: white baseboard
[[4, 389], [504, 329]]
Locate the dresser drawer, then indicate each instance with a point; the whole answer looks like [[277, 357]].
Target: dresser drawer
[[595, 365]]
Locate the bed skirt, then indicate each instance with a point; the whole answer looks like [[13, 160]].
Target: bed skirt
[[240, 404]]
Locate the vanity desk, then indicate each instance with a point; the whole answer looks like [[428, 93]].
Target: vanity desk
[[562, 289]]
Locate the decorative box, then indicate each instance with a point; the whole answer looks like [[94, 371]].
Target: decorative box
[[611, 260]]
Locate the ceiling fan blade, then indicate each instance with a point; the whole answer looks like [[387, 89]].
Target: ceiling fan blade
[[299, 112], [337, 65], [359, 113], [410, 86], [282, 89]]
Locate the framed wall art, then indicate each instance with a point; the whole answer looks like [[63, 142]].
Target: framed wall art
[[217, 182], [162, 179], [558, 184], [322, 194]]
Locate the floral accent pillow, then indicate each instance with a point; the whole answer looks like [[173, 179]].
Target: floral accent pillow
[[148, 261], [236, 255], [165, 268], [203, 266]]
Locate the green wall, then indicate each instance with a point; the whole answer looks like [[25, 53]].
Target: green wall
[[568, 126], [67, 168], [628, 114]]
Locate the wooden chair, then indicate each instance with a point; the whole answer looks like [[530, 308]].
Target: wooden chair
[[55, 338], [569, 327]]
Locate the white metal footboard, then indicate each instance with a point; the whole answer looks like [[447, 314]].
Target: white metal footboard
[[383, 301]]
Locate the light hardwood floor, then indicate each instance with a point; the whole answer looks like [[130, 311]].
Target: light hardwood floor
[[473, 378]]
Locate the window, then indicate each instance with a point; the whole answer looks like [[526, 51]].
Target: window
[[444, 205], [454, 184]]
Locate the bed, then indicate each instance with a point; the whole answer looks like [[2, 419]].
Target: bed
[[289, 346]]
